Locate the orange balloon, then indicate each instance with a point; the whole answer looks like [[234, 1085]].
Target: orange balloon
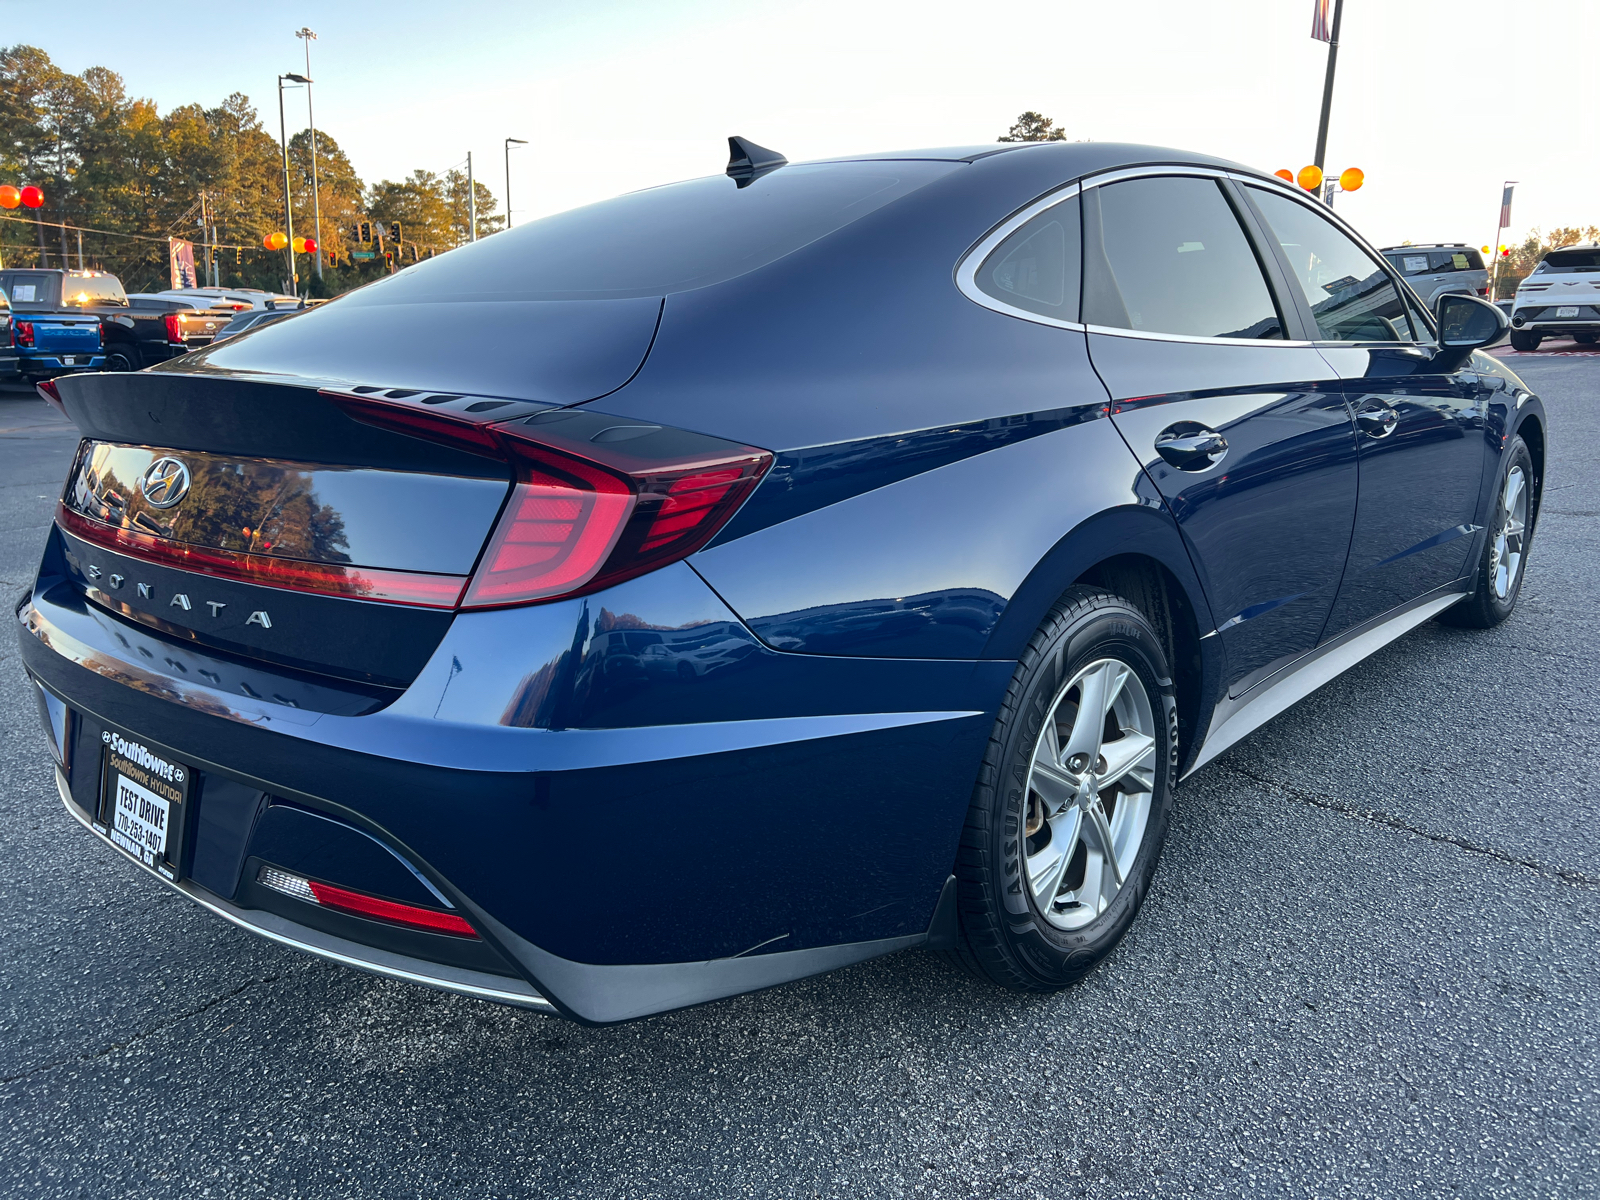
[[9, 196], [276, 240], [1309, 178], [1285, 174], [1351, 179]]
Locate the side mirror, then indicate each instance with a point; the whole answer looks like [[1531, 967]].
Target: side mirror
[[1467, 323]]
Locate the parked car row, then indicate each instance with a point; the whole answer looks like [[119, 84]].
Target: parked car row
[[57, 322]]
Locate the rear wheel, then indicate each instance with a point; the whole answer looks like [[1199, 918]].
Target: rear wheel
[[121, 358], [1521, 339], [1070, 811], [1586, 337], [1505, 550]]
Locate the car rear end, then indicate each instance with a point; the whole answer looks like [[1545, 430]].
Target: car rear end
[[376, 632], [1562, 296], [48, 345]]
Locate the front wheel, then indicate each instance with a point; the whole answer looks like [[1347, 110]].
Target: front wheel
[[1521, 339], [1498, 582], [1070, 812]]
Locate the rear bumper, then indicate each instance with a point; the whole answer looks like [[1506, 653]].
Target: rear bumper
[[42, 364], [273, 927], [620, 869]]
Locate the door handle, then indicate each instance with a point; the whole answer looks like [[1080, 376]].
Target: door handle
[[1377, 420], [1191, 447]]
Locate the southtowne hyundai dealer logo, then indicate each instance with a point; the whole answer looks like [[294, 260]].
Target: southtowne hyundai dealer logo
[[165, 482]]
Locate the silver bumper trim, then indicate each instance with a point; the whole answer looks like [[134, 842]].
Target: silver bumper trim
[[477, 984]]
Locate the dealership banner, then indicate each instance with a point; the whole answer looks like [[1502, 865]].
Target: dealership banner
[[180, 256], [1319, 20]]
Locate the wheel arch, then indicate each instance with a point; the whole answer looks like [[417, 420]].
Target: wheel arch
[[1137, 553], [1531, 429]]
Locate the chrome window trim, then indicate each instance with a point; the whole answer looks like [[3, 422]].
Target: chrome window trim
[[1298, 195], [967, 268]]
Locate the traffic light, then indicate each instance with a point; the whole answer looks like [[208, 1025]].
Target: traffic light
[[364, 233], [238, 257], [394, 232]]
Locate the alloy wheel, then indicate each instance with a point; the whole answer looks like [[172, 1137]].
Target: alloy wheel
[[1505, 560], [1091, 783]]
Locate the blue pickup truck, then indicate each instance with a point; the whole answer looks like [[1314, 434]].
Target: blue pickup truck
[[37, 345]]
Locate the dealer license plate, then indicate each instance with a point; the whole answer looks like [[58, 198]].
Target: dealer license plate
[[143, 798], [1567, 310]]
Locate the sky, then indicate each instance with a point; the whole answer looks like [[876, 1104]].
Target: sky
[[1431, 99]]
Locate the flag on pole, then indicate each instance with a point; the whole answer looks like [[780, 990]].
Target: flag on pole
[[1505, 207], [180, 259], [1319, 21]]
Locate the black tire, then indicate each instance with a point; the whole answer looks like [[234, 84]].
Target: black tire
[[1522, 340], [1486, 607], [1005, 937], [121, 358], [1586, 337]]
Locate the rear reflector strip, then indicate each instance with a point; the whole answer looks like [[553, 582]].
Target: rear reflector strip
[[290, 574], [326, 895]]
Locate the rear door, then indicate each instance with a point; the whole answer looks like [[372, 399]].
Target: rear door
[[1420, 415], [1240, 423]]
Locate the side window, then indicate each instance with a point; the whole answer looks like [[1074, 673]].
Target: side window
[[1351, 296], [1172, 258], [1037, 267]]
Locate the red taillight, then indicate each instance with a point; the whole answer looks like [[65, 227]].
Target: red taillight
[[174, 327], [558, 528], [291, 574], [22, 333], [52, 394], [326, 895], [586, 510]]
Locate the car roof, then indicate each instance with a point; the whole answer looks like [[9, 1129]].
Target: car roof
[[1075, 158]]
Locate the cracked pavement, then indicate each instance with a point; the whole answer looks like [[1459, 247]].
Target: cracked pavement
[[1367, 968]]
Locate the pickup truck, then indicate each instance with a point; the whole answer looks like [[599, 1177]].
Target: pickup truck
[[37, 346], [129, 336]]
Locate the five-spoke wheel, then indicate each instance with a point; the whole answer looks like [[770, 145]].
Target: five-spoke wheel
[[1089, 792]]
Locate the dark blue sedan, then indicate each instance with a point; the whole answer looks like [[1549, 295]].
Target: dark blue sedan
[[749, 576]]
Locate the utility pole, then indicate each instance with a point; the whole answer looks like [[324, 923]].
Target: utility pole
[[316, 201], [288, 209], [509, 143], [472, 203], [1327, 86]]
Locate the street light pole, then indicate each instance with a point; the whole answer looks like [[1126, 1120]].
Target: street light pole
[[288, 208], [472, 203], [1327, 85], [509, 143], [316, 201]]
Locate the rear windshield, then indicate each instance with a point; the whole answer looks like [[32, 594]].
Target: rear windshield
[[1569, 260], [32, 291], [1435, 262], [661, 240], [92, 289]]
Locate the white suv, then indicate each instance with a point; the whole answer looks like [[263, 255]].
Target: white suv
[[1560, 298]]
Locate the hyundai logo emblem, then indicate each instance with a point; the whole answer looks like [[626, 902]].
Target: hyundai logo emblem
[[164, 482]]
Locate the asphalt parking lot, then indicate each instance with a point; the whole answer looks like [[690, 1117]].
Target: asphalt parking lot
[[1367, 968]]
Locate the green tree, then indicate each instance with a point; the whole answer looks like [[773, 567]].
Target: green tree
[[1033, 127]]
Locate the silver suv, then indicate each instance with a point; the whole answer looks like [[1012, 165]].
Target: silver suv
[[1446, 268], [1560, 299]]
